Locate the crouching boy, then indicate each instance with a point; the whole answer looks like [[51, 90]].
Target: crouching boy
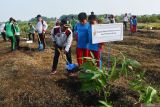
[[62, 37]]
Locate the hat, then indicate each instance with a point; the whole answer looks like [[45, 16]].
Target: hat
[[38, 16], [11, 19]]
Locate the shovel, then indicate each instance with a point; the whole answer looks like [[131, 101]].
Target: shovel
[[40, 46], [70, 67]]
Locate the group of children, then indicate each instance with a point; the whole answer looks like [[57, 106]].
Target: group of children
[[132, 21], [133, 24], [62, 36], [11, 30]]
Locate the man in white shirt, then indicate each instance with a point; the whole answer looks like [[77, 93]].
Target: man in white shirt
[[125, 21], [41, 28]]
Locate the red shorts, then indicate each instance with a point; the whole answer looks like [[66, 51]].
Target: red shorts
[[133, 28], [80, 54]]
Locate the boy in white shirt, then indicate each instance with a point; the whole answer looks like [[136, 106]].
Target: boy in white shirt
[[62, 37]]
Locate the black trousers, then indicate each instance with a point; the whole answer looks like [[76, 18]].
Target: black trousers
[[125, 25], [42, 39], [31, 38], [17, 41], [56, 57], [3, 35]]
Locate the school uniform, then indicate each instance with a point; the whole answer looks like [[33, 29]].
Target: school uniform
[[41, 27], [62, 40], [17, 35], [10, 31], [134, 25], [82, 41]]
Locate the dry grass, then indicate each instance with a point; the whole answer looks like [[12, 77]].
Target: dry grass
[[24, 74]]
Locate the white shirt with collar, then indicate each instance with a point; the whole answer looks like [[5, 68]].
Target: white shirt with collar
[[41, 26]]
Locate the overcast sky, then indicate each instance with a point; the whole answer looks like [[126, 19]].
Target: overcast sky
[[27, 9]]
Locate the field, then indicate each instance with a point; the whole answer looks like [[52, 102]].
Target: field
[[25, 81], [154, 26]]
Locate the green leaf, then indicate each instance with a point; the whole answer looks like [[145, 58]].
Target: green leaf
[[96, 75], [86, 76], [134, 63], [136, 85], [104, 104], [150, 93], [89, 66], [92, 55], [89, 86], [114, 73]]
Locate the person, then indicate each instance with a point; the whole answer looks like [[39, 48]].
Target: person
[[92, 13], [3, 33], [41, 28], [10, 31], [131, 24], [17, 34], [107, 19], [112, 19], [32, 31], [94, 49], [81, 32], [62, 37], [73, 23], [134, 24], [125, 21]]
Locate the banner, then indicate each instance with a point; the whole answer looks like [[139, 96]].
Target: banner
[[107, 33]]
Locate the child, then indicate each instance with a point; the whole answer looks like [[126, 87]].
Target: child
[[95, 49], [81, 30], [10, 31], [17, 34], [31, 32], [134, 24], [62, 37], [41, 28]]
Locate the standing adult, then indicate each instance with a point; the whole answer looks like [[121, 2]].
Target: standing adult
[[125, 21], [3, 32], [41, 28]]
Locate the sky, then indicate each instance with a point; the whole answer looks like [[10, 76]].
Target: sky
[[27, 9]]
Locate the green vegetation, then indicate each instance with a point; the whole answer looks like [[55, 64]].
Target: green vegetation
[[99, 81]]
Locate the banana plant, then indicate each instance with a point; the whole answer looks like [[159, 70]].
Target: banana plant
[[94, 79]]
